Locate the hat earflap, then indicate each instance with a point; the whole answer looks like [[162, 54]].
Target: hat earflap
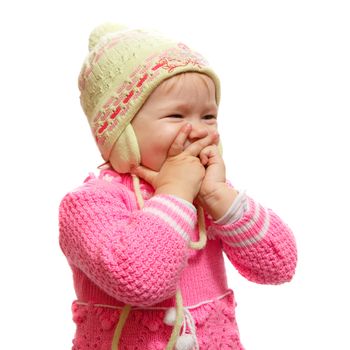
[[125, 153]]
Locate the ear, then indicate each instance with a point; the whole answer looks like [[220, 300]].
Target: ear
[[125, 153]]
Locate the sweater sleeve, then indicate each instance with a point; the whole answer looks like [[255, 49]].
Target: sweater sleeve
[[260, 245], [136, 256]]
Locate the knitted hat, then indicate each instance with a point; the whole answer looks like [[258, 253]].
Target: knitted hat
[[121, 70]]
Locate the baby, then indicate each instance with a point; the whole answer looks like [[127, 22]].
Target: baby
[[145, 238]]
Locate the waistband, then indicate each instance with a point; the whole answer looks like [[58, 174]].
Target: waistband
[[189, 307], [188, 340]]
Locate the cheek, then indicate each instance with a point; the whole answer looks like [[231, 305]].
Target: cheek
[[168, 133], [213, 127], [163, 139], [154, 149]]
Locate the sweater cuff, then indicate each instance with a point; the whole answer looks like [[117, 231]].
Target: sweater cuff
[[236, 211], [251, 228], [179, 214]]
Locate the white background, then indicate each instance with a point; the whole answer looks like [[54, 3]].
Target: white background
[[285, 74]]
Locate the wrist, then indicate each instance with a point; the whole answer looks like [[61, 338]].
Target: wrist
[[217, 202], [175, 191]]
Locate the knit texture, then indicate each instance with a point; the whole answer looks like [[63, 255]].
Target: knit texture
[[121, 70], [122, 255]]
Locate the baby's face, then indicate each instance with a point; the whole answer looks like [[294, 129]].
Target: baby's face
[[185, 98]]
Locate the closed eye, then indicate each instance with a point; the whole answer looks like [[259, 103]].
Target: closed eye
[[209, 117], [175, 116]]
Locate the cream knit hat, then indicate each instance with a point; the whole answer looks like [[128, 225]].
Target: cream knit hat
[[121, 70]]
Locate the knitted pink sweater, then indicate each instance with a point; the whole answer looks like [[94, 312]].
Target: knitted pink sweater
[[122, 255]]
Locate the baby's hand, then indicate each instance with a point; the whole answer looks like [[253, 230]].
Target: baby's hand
[[215, 196], [182, 172], [215, 167]]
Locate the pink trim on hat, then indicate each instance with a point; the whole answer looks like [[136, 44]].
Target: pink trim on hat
[[105, 119]]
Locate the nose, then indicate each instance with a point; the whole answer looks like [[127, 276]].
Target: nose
[[198, 131]]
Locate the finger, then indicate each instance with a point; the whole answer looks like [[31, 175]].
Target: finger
[[196, 147], [178, 144], [207, 153], [210, 151], [145, 173], [204, 159]]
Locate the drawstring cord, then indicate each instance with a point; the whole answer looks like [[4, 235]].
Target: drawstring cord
[[118, 330], [200, 244], [178, 321], [202, 241], [136, 184]]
